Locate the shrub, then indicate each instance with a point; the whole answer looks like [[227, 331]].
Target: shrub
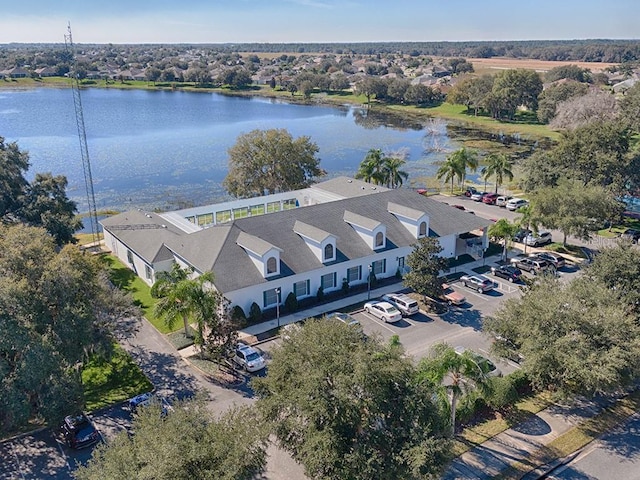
[[237, 315], [469, 406], [502, 393], [345, 286], [291, 302], [255, 314]]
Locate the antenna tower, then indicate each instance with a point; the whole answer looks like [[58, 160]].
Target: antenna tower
[[82, 136]]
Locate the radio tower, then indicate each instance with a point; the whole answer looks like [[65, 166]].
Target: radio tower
[[82, 136]]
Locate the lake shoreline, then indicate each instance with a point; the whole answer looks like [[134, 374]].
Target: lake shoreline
[[415, 114]]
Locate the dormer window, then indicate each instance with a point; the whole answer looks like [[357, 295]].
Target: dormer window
[[272, 265], [329, 253], [379, 239], [320, 242], [415, 221], [422, 230]]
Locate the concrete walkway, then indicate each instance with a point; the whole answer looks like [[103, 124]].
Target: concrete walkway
[[525, 444]]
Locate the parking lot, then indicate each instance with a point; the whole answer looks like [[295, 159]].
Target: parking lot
[[43, 454]]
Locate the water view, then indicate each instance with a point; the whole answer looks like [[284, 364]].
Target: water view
[[156, 149]]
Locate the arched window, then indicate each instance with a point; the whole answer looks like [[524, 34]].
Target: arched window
[[379, 239], [422, 232], [272, 266], [328, 252]]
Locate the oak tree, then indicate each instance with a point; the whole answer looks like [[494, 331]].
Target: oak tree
[[268, 161]]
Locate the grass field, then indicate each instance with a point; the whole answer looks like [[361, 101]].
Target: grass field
[[125, 279], [109, 382]]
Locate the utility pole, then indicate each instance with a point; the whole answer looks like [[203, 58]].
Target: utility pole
[[82, 136]]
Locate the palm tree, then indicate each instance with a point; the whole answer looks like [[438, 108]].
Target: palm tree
[[393, 176], [499, 166], [184, 298], [454, 374], [503, 229], [371, 168], [450, 169], [466, 159]]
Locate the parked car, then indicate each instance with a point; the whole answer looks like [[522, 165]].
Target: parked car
[[248, 358], [490, 198], [520, 234], [631, 235], [516, 203], [554, 259], [344, 318], [532, 265], [502, 200], [79, 432], [384, 311], [407, 305], [470, 191], [477, 197], [508, 272], [542, 238], [486, 365], [481, 284], [149, 398], [452, 297]]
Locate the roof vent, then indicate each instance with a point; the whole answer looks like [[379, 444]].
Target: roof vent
[[362, 188], [349, 180], [148, 215], [373, 188], [163, 226]]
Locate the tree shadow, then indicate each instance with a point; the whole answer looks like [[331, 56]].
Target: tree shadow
[[465, 317], [532, 426]]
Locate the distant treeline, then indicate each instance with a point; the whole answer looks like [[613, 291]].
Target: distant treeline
[[594, 50], [613, 51]]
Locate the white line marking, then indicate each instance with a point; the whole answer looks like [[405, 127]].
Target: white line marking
[[379, 322]]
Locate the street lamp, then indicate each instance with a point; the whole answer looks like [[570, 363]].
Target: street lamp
[[278, 306], [369, 283]]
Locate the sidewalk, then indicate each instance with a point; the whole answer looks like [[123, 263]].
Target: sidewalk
[[525, 445]]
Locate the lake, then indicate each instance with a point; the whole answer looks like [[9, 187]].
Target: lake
[[167, 150]]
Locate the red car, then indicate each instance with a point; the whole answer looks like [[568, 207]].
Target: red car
[[490, 198]]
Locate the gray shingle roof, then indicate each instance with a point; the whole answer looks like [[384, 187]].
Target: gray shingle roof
[[360, 220], [404, 211], [234, 270], [346, 187], [216, 248], [309, 231]]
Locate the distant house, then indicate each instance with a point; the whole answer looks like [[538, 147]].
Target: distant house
[[330, 234], [17, 72], [46, 72]]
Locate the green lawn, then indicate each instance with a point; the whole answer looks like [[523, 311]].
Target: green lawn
[[125, 279], [109, 382]]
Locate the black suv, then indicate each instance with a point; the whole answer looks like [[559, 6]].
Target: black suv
[[79, 432], [508, 272], [520, 235]]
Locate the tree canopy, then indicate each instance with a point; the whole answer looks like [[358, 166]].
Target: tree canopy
[[346, 407], [269, 161], [574, 338], [56, 309], [42, 203], [425, 265], [382, 169], [187, 443]]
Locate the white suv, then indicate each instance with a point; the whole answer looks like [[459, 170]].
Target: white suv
[[516, 203], [248, 358], [407, 305]]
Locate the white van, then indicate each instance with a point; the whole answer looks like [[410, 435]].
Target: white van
[[407, 305]]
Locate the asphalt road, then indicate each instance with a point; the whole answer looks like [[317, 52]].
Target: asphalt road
[[616, 455]]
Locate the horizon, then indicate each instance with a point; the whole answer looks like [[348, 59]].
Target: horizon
[[318, 21]]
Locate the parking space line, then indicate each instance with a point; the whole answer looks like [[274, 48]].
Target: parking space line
[[375, 319], [18, 464], [64, 455], [473, 292]]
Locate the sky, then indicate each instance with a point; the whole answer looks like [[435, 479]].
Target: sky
[[308, 21]]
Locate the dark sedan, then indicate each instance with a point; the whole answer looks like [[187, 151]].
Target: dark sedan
[[508, 272]]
